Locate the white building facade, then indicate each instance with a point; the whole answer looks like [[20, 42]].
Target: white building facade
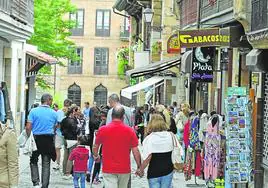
[[16, 26]]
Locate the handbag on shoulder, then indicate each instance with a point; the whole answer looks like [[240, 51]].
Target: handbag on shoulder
[[176, 153]]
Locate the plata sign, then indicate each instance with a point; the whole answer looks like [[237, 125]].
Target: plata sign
[[203, 37], [202, 64]]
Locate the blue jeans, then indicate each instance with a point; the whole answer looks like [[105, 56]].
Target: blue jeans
[[82, 177], [161, 182], [90, 163]]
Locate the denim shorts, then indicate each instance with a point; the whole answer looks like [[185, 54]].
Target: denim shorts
[[161, 182]]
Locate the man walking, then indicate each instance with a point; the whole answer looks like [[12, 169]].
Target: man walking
[[117, 140], [128, 117], [59, 139], [42, 122]]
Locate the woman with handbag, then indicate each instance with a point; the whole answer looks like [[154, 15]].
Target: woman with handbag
[[157, 152]]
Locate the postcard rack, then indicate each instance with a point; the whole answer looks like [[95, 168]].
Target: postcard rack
[[238, 136]]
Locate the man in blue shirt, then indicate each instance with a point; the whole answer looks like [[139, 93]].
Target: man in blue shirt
[[86, 110], [42, 121]]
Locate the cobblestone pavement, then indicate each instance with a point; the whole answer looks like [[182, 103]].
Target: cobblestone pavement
[[56, 180]]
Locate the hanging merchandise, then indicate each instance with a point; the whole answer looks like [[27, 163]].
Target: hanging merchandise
[[193, 160], [238, 135], [5, 111], [212, 150]]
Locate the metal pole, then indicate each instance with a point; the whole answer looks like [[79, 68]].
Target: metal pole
[[258, 175], [165, 91]]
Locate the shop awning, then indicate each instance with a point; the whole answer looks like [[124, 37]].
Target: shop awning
[[37, 58], [186, 61], [129, 91], [154, 67]]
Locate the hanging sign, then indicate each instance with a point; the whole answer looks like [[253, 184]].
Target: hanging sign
[[202, 64], [203, 37], [173, 46]]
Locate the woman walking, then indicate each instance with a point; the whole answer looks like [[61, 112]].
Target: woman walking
[[139, 122], [69, 131], [157, 150]]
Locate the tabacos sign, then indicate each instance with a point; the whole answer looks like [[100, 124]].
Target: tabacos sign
[[202, 64], [203, 37]]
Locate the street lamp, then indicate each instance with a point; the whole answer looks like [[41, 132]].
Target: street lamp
[[148, 17]]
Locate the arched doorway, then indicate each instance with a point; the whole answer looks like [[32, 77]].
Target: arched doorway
[[100, 95], [74, 94]]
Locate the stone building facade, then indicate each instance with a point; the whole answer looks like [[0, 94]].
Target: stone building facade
[[98, 35]]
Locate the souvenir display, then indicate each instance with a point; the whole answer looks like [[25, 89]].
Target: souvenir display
[[238, 135]]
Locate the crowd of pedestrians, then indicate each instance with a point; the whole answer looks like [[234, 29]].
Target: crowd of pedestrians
[[97, 141]]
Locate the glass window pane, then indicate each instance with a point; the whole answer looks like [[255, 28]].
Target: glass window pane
[[104, 57], [80, 19], [106, 19], [99, 19]]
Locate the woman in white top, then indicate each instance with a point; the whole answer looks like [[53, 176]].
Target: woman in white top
[[157, 150]]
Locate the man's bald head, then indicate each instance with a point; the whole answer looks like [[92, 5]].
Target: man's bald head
[[118, 112]]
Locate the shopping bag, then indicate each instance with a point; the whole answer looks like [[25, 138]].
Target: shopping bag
[[176, 153]]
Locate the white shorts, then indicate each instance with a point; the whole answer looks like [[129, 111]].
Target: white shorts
[[59, 141]]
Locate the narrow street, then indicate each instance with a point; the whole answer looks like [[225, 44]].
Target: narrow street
[[56, 180]]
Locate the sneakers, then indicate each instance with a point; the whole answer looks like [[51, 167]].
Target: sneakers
[[88, 178], [96, 182], [67, 177], [56, 166]]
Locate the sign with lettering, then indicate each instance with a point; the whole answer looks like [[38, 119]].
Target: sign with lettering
[[203, 37], [202, 64], [173, 44]]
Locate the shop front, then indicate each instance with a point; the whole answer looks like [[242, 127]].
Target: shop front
[[156, 83], [227, 65]]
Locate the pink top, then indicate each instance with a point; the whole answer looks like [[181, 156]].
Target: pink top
[[80, 156]]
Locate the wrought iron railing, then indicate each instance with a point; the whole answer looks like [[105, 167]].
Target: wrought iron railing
[[259, 15], [211, 7], [20, 10]]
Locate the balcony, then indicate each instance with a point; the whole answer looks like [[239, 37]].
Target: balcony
[[259, 15], [124, 33], [210, 8], [20, 10]]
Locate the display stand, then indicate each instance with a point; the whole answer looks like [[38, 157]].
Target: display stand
[[195, 182], [239, 136]]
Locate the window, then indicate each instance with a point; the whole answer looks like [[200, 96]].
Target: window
[[74, 94], [75, 67], [103, 19], [100, 95], [101, 61], [78, 18]]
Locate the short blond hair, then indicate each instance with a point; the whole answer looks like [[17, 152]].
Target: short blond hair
[[156, 124]]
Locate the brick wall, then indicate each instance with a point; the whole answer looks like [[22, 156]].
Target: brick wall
[[188, 12]]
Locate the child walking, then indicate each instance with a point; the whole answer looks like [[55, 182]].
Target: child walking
[[78, 158]]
